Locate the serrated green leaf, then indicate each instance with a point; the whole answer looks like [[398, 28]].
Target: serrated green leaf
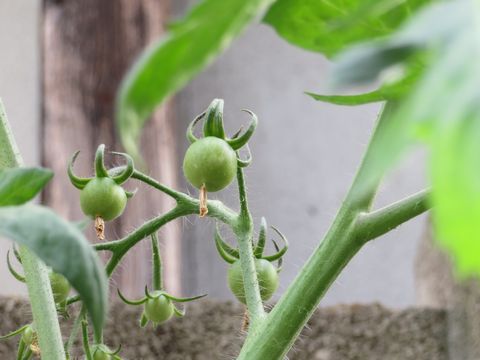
[[61, 246], [168, 65], [19, 185], [330, 26]]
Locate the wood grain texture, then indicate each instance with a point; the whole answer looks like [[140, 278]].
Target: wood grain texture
[[87, 47]]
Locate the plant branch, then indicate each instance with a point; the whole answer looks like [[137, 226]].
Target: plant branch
[[36, 273], [376, 223]]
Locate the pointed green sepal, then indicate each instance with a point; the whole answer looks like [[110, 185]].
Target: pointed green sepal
[[213, 125], [244, 162], [130, 302], [281, 252], [262, 238], [178, 312], [176, 299], [190, 135], [219, 243], [14, 333], [76, 181], [143, 320], [15, 274], [100, 170], [129, 169], [239, 141]]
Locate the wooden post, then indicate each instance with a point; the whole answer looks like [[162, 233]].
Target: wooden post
[[87, 47]]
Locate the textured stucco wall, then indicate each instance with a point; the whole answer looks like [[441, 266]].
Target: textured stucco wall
[[19, 90]]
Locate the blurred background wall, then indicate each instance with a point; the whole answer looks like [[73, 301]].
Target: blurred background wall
[[305, 155]]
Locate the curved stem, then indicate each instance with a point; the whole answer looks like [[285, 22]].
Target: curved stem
[[36, 273]]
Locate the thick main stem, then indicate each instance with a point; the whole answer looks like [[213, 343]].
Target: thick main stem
[[36, 273], [284, 323]]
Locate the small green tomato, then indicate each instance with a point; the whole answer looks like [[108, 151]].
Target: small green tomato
[[101, 352], [29, 335], [211, 162], [267, 279], [159, 309], [60, 287], [102, 197]]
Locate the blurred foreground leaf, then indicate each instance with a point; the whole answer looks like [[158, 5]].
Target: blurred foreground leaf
[[329, 27], [19, 185], [61, 246], [442, 109]]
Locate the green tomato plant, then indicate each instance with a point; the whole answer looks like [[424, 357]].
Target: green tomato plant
[[422, 56]]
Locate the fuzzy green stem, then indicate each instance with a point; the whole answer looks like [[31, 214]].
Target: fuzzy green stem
[[74, 331], [244, 232], [284, 323], [156, 264], [376, 223], [36, 273]]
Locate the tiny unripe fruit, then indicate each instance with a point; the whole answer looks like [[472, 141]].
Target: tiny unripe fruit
[[102, 197], [100, 355], [267, 279], [60, 287], [211, 162], [28, 335], [159, 309]]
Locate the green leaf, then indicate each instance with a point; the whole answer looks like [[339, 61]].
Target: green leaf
[[366, 62], [168, 65], [330, 26], [456, 179], [442, 110], [19, 185], [63, 247]]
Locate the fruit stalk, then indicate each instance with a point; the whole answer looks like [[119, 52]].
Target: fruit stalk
[[36, 273]]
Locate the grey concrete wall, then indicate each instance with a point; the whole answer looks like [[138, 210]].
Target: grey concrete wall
[[305, 154], [19, 90]]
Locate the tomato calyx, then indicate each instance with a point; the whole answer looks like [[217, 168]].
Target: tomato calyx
[[158, 306], [213, 126], [231, 254]]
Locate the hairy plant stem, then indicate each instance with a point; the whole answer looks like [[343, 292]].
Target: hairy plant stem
[[243, 229], [273, 338], [36, 273], [156, 264]]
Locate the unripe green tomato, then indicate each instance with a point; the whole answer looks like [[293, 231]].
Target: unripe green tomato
[[28, 335], [267, 279], [211, 162], [103, 197], [159, 309], [60, 287], [101, 352]]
